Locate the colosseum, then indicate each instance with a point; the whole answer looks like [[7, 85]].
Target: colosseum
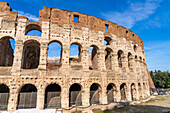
[[115, 71]]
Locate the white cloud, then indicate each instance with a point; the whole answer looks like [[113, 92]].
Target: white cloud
[[28, 15], [137, 11], [158, 55]]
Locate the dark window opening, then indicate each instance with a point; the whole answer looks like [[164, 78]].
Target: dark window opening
[[107, 41], [123, 91], [33, 30], [31, 55], [106, 27], [75, 95], [27, 97], [54, 55], [75, 56], [120, 58], [108, 58], [76, 18], [111, 91], [126, 31], [52, 96], [94, 94], [4, 97], [93, 57]]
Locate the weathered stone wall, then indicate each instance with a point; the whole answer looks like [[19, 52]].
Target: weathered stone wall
[[58, 25]]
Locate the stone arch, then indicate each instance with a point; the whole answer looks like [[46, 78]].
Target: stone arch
[[108, 58], [107, 40], [123, 91], [31, 54], [95, 93], [140, 91], [31, 27], [94, 57], [120, 58], [133, 92], [135, 48], [6, 51], [4, 96], [144, 90], [27, 97], [130, 60], [54, 60], [75, 59], [52, 96], [111, 92], [75, 95]]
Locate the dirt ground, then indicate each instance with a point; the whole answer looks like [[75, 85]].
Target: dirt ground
[[158, 104]]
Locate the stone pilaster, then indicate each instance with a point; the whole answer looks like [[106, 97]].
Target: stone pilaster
[[40, 97]]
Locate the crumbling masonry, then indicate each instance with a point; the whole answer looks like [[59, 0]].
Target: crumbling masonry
[[114, 72]]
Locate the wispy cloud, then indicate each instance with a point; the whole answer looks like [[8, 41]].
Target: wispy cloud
[[28, 15], [157, 55], [137, 11]]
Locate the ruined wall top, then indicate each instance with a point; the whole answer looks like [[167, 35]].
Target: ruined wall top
[[61, 17]]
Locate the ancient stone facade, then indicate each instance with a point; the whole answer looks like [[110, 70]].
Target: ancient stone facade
[[114, 72]]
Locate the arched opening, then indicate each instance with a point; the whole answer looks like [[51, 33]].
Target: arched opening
[[75, 95], [107, 41], [31, 55], [54, 55], [133, 92], [108, 58], [140, 91], [75, 55], [4, 96], [135, 48], [33, 30], [93, 53], [95, 90], [130, 61], [111, 92], [52, 96], [144, 91], [34, 33], [120, 58], [27, 97], [7, 47], [123, 92]]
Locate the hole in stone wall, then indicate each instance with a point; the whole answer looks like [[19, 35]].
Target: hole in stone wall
[[75, 55], [54, 55], [93, 57], [123, 91], [111, 91], [120, 58], [53, 96], [76, 18], [94, 93], [27, 97], [4, 97], [107, 41], [7, 48], [31, 54], [106, 27], [108, 58], [34, 33], [33, 30], [75, 95]]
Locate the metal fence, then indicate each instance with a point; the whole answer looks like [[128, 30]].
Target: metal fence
[[27, 100], [110, 96], [53, 100], [94, 97], [4, 101], [75, 98]]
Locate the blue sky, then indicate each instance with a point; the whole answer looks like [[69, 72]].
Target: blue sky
[[150, 19]]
